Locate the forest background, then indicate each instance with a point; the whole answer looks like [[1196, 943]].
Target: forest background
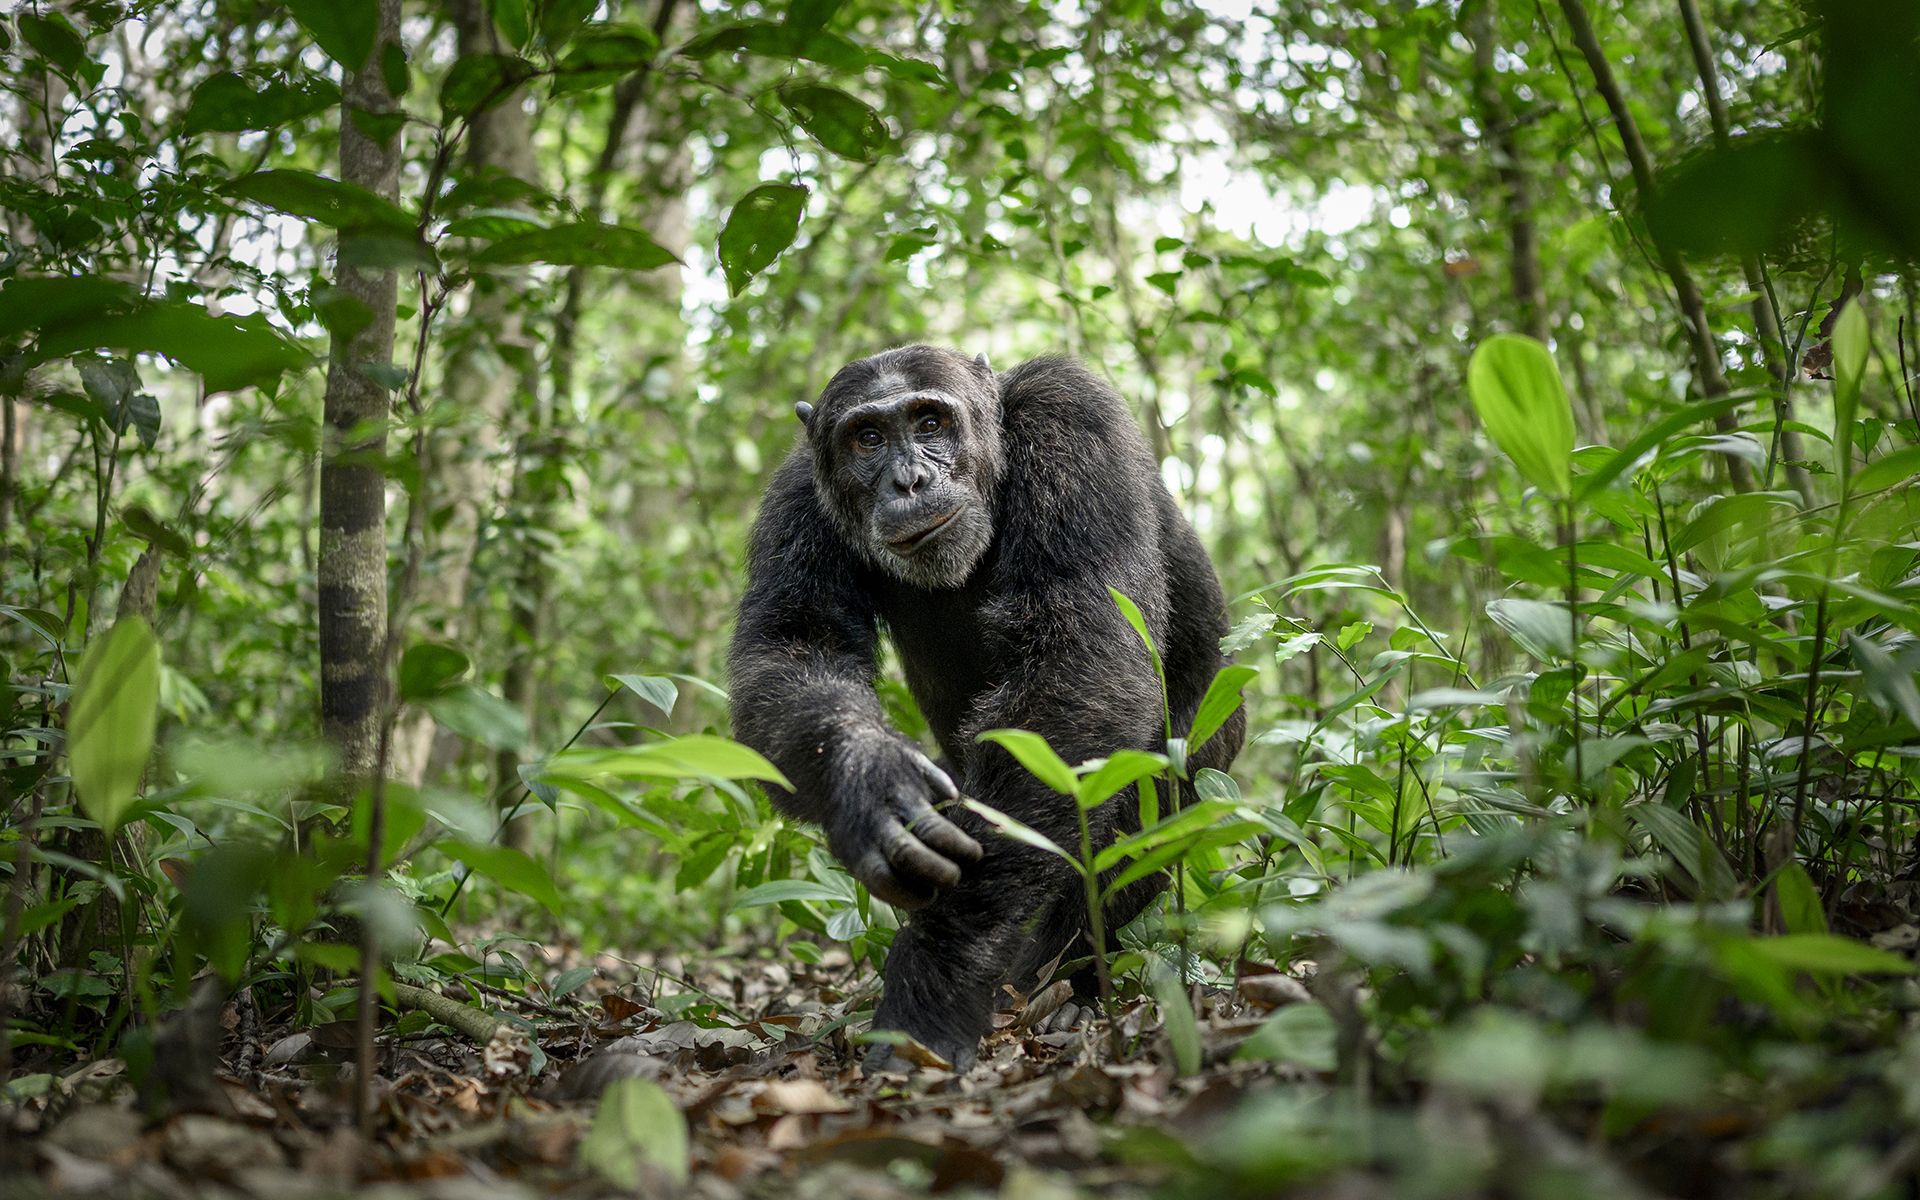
[[388, 389]]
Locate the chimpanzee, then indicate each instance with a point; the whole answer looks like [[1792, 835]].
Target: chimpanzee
[[980, 520]]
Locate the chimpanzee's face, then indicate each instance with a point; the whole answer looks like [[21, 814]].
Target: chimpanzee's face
[[906, 451]]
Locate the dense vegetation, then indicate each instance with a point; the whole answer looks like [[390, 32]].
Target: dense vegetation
[[387, 389]]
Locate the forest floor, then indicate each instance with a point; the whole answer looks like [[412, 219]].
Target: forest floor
[[242, 1102]]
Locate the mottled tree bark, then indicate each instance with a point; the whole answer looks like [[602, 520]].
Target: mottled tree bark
[[1707, 374], [352, 566]]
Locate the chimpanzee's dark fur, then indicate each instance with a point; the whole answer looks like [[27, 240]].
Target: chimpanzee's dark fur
[[1007, 624]]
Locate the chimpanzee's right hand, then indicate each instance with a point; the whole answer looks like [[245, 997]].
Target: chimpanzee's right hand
[[883, 828]]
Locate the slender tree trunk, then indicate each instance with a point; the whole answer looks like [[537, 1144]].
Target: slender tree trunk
[[1498, 132], [352, 566], [1773, 347], [1693, 308], [478, 386]]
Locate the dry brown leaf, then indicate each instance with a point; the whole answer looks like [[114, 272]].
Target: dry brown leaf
[[788, 1133], [1272, 991], [798, 1096]]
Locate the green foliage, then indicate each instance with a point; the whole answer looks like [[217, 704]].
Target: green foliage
[[110, 729], [763, 223], [1516, 389], [638, 1125]]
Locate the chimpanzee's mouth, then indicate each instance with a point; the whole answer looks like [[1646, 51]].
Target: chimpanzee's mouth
[[920, 537]]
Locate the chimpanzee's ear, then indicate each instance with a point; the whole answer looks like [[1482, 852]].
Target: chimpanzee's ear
[[982, 360], [804, 411]]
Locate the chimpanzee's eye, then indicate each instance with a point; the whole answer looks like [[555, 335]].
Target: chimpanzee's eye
[[930, 423], [870, 439]]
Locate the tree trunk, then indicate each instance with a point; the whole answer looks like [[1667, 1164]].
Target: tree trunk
[[352, 567], [1773, 346], [478, 387], [1498, 134], [1693, 308]]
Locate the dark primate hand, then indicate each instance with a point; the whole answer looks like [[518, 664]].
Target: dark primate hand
[[883, 827]]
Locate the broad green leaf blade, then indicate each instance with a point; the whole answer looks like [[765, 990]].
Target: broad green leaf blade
[[841, 123], [1517, 391], [1851, 341], [331, 202], [637, 1125], [227, 103], [586, 244], [511, 869], [1830, 954], [1123, 769], [761, 225], [480, 81], [1020, 832], [1800, 907], [1036, 756], [116, 698], [696, 756], [345, 29], [473, 711], [1639, 447], [1137, 620], [603, 56], [657, 690], [1222, 698], [428, 669], [228, 353], [1176, 1017], [782, 890]]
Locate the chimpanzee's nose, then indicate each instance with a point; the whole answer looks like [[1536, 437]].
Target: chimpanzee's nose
[[909, 477]]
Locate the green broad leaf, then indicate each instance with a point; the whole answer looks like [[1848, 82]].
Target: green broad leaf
[[780, 891], [54, 38], [570, 981], [762, 224], [1222, 698], [1541, 628], [1517, 391], [428, 669], [847, 126], [603, 56], [228, 353], [330, 202], [227, 103], [481, 81], [586, 244], [115, 707], [1800, 907], [511, 869], [637, 1125], [1897, 467], [474, 712], [1190, 820], [1689, 847], [1121, 770], [1137, 620], [808, 16], [1352, 635], [770, 40], [696, 756], [657, 690], [1724, 513], [1851, 341], [1891, 685], [1033, 753], [1020, 832], [1829, 954], [515, 19], [1177, 1019], [345, 29], [1303, 1035], [1213, 784], [1624, 459], [1247, 632]]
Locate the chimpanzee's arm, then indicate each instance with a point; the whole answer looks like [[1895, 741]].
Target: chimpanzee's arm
[[802, 671]]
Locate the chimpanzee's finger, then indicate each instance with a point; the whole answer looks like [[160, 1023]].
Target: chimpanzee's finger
[[938, 832], [878, 874], [942, 782], [911, 859]]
